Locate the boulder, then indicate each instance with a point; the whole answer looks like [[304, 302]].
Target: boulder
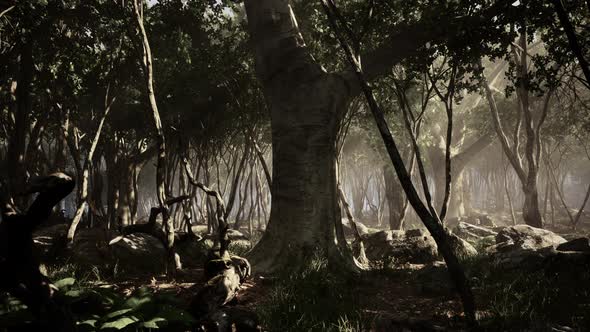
[[193, 252], [91, 247], [462, 248], [522, 259], [581, 244], [525, 247], [139, 253], [472, 233], [412, 246], [524, 237]]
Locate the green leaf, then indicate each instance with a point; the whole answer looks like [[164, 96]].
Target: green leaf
[[89, 322], [120, 323], [153, 323], [135, 302], [117, 313], [65, 282], [74, 293]]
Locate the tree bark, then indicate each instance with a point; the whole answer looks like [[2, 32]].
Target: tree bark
[[306, 107], [160, 138], [528, 177]]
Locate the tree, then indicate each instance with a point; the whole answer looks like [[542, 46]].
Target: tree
[[306, 107], [148, 71]]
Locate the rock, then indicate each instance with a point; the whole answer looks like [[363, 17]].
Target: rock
[[413, 246], [472, 233], [523, 246], [476, 219], [531, 249], [233, 235], [91, 247], [524, 237], [462, 248], [193, 252], [525, 259], [484, 243], [580, 244], [139, 253]]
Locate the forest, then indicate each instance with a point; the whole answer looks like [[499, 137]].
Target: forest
[[292, 165]]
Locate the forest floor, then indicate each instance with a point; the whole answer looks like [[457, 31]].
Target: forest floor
[[410, 297], [387, 300]]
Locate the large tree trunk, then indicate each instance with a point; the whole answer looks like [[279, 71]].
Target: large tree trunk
[[306, 105], [304, 206]]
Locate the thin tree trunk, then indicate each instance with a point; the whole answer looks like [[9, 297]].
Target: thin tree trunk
[[160, 138], [83, 190], [512, 216], [431, 221]]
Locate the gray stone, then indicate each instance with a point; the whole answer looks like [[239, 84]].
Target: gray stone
[[472, 233], [139, 253], [462, 248], [414, 246], [524, 237]]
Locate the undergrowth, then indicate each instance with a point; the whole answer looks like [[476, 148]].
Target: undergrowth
[[311, 300], [95, 305], [525, 299]]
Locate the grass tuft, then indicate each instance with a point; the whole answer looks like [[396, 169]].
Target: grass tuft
[[313, 299]]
